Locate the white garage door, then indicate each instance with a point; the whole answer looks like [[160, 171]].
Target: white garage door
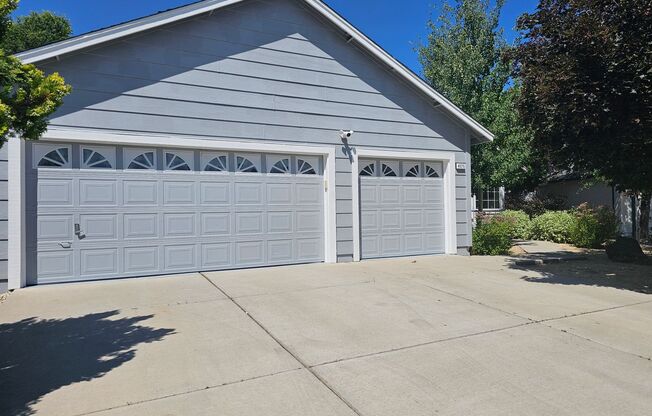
[[401, 208], [103, 212]]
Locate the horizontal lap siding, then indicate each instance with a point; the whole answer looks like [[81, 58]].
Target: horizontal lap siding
[[4, 201], [258, 71]]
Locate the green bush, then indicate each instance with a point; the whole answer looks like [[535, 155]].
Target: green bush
[[520, 222], [492, 237], [553, 226], [593, 227]]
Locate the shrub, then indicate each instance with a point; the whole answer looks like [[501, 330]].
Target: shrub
[[593, 227], [520, 222], [553, 226], [492, 237], [534, 204]]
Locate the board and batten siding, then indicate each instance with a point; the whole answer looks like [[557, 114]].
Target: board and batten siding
[[258, 70]]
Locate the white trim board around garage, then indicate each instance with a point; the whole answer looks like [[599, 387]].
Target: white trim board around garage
[[448, 160], [17, 276]]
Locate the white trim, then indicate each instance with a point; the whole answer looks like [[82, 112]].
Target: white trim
[[54, 50], [448, 161], [188, 142], [153, 21], [16, 210]]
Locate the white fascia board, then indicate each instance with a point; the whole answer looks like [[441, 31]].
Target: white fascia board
[[105, 35], [84, 41]]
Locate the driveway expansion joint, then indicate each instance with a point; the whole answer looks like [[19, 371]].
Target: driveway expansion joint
[[183, 393], [287, 349], [422, 344]]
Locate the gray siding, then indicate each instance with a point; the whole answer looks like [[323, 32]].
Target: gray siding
[[4, 172], [259, 71]]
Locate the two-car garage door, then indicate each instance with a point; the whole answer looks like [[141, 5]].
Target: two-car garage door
[[114, 211]]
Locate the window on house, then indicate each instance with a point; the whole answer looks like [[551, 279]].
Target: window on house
[[489, 199]]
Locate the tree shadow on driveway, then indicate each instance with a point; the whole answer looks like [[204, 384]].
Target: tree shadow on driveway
[[597, 270], [40, 356]]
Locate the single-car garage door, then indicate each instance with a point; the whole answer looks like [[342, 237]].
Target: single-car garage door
[[112, 211], [401, 208]]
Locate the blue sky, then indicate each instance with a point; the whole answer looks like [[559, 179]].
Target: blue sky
[[396, 25]]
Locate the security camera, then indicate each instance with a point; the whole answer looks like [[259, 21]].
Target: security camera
[[346, 134]]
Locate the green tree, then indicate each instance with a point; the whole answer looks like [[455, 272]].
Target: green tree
[[27, 95], [586, 73], [463, 59], [34, 30]]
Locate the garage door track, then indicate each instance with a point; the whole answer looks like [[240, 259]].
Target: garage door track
[[411, 336]]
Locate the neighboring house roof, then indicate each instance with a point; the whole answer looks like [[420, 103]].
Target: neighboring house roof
[[76, 43]]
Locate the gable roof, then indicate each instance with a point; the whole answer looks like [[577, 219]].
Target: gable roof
[[54, 50]]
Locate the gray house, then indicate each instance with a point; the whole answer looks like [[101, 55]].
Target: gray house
[[229, 134]]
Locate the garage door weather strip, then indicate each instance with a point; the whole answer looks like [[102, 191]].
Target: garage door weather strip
[[286, 348]]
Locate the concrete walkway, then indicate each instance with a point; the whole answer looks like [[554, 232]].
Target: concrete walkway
[[422, 336], [542, 252]]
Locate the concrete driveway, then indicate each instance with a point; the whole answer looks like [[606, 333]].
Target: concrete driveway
[[423, 336]]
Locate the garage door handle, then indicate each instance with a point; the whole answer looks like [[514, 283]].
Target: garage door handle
[[65, 244]]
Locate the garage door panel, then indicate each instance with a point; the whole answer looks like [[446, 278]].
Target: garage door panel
[[279, 193], [140, 192], [309, 249], [370, 246], [181, 257], [413, 219], [309, 221], [279, 251], [249, 223], [368, 192], [55, 192], [308, 194], [412, 194], [144, 221], [215, 224], [390, 194], [414, 243], [435, 241], [280, 222], [215, 193], [98, 192], [433, 218], [140, 226], [179, 225], [141, 259], [217, 255], [99, 226], [369, 221], [178, 193], [99, 262], [390, 220], [248, 193], [249, 252], [55, 264], [390, 245], [54, 227]]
